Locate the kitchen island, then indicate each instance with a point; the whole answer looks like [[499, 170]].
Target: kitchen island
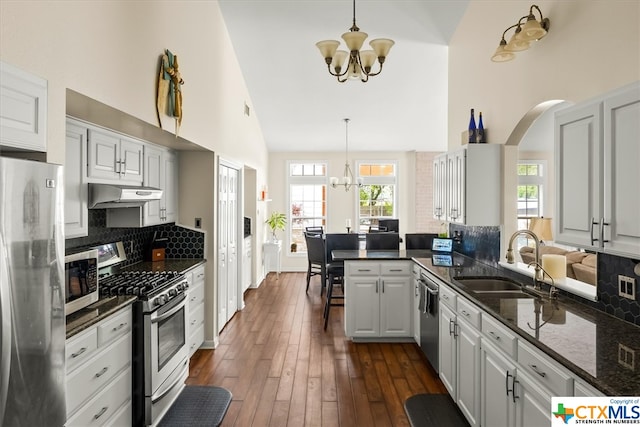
[[592, 345]]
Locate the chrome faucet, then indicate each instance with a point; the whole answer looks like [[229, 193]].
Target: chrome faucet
[[553, 291], [511, 259]]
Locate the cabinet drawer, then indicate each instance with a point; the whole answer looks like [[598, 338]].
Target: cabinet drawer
[[196, 339], [448, 297], [106, 404], [97, 373], [196, 296], [545, 371], [196, 316], [362, 268], [116, 326], [395, 269], [197, 276], [81, 348], [499, 335], [469, 312]]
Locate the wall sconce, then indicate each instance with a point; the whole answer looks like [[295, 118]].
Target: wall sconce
[[522, 37]]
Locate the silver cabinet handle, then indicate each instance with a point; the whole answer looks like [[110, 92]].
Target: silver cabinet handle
[[102, 372], [79, 352], [593, 222], [382, 280], [537, 371], [395, 269], [376, 286], [493, 334], [120, 326], [193, 322], [364, 269], [101, 413], [602, 224], [465, 313]]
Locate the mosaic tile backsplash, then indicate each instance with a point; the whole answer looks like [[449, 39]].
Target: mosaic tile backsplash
[[483, 244], [182, 243]]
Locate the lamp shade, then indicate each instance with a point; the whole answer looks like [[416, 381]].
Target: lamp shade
[[338, 60], [502, 55], [516, 45], [354, 39], [541, 227], [328, 48], [381, 46], [532, 30]]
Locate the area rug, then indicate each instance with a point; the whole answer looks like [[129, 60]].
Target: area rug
[[198, 406], [433, 410]]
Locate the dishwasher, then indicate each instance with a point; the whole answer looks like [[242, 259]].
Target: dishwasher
[[428, 308]]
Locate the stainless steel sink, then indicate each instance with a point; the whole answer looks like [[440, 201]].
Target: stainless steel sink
[[496, 287]]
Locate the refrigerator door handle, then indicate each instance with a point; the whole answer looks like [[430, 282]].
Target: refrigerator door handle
[[5, 317]]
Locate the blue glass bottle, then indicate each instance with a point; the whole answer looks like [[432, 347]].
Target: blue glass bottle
[[481, 137], [472, 129]]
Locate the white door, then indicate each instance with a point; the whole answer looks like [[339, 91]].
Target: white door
[[228, 196], [447, 349], [496, 388], [152, 210], [395, 306]]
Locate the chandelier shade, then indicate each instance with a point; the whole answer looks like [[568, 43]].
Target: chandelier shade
[[360, 62], [346, 180]]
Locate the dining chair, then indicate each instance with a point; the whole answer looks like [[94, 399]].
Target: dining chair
[[335, 269], [382, 241], [317, 259], [377, 229], [419, 240], [314, 229], [391, 224]]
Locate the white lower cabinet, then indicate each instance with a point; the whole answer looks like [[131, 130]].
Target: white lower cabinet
[[195, 309], [378, 299], [459, 356], [98, 363]]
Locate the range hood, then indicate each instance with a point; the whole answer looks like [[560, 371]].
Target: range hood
[[120, 196]]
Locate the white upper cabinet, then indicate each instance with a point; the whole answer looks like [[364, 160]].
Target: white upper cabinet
[[467, 185], [160, 171], [23, 109], [76, 214], [597, 156], [114, 157]]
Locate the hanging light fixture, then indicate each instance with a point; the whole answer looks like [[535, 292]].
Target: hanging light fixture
[[522, 37], [359, 63], [347, 180]]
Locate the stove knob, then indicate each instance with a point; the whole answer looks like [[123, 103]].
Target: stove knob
[[161, 300], [172, 292]]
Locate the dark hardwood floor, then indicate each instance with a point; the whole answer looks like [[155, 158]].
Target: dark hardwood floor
[[285, 370]]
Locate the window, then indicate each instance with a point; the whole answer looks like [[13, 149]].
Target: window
[[378, 193], [531, 182], [308, 200]]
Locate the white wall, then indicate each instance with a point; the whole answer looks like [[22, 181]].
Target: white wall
[[593, 46], [109, 51]]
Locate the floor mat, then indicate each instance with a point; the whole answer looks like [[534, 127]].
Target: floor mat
[[433, 410], [198, 406]]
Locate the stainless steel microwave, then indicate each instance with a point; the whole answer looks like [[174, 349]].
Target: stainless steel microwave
[[81, 280]]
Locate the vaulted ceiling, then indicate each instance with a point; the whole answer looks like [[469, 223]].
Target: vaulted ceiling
[[300, 107]]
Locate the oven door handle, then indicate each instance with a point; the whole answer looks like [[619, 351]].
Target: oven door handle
[[163, 393], [169, 313]]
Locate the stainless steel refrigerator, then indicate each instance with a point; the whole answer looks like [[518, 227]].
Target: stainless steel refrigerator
[[32, 334]]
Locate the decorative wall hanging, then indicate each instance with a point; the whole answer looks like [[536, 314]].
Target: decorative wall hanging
[[170, 83]]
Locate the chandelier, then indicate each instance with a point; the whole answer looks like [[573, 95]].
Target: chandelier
[[347, 180], [522, 37], [360, 63]]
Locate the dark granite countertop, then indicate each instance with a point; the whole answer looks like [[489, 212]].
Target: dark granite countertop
[[380, 255], [101, 309], [587, 341], [104, 307]]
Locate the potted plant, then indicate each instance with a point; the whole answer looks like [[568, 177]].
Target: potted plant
[[276, 221]]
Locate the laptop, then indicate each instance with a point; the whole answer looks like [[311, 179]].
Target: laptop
[[441, 252]]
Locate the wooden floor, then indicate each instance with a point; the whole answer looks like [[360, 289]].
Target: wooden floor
[[283, 369]]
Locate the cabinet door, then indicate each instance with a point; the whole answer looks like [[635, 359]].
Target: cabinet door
[[468, 355], [395, 306], [447, 349], [75, 170], [152, 178], [456, 196], [496, 399], [170, 196], [23, 116], [416, 305], [621, 172], [103, 155], [578, 147], [131, 160], [362, 314], [440, 187], [533, 403]]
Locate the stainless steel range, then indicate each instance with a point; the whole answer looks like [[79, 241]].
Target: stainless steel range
[[160, 354]]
